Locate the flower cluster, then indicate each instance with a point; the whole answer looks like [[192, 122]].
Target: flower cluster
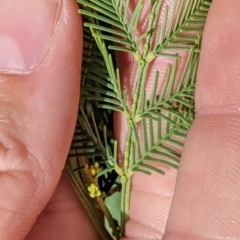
[[90, 173], [92, 170], [94, 191]]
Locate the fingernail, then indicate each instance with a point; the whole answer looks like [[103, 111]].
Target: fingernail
[[26, 28]]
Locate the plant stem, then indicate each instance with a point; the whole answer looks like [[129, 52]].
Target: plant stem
[[125, 203]]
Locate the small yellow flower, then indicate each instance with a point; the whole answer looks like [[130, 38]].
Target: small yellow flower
[[86, 168], [94, 191], [92, 170]]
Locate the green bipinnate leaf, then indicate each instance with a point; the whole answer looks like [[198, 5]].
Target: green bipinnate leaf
[[157, 125]]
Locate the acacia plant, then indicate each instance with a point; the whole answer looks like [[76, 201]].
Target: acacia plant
[[157, 123]]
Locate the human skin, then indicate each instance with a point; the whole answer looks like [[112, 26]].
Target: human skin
[[37, 118]]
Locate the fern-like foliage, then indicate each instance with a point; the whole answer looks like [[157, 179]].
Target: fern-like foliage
[[186, 22], [157, 127], [170, 114], [115, 26], [101, 82]]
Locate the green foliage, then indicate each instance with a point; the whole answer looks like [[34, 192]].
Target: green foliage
[[157, 127]]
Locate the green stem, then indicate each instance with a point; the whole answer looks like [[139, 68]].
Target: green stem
[[137, 102], [125, 203]]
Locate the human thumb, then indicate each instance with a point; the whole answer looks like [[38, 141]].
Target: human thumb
[[39, 78]]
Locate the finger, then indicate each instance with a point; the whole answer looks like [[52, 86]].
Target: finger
[[40, 68], [207, 196], [64, 217]]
